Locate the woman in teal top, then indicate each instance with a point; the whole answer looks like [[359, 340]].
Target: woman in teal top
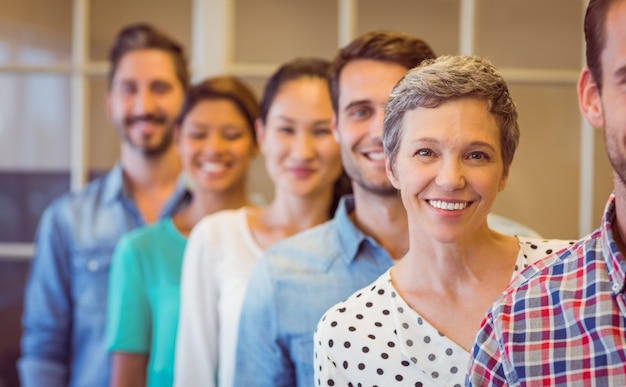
[[216, 142]]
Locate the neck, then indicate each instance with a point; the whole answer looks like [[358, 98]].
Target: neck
[[452, 265], [144, 173], [203, 204], [383, 218], [287, 215], [295, 212], [619, 225]]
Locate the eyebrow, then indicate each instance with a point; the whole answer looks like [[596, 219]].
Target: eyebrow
[[621, 72], [292, 121], [357, 103], [430, 140]]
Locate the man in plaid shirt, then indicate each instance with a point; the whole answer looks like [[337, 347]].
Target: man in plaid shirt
[[563, 322]]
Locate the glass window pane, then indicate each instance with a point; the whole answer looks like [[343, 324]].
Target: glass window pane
[[34, 164], [275, 31], [35, 32], [23, 197], [547, 156], [35, 120], [435, 21], [107, 17], [530, 33]]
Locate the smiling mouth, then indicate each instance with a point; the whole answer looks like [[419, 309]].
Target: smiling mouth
[[212, 167], [448, 206], [375, 156]]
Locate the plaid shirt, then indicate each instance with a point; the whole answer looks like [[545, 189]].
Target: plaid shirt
[[562, 323]]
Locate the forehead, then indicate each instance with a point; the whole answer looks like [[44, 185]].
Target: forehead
[[149, 64], [302, 97], [454, 121], [368, 80]]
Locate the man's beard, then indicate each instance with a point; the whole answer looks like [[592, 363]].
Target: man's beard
[[160, 148]]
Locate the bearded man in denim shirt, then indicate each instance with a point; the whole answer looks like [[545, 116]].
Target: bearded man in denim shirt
[[65, 303]]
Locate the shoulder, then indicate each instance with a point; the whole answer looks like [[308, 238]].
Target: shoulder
[[221, 220], [554, 273], [148, 235], [313, 249], [537, 248], [359, 303], [78, 203]]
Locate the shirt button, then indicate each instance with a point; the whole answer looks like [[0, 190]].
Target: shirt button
[[93, 265], [616, 288]]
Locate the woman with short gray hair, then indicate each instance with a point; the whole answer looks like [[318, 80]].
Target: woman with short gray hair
[[450, 133]]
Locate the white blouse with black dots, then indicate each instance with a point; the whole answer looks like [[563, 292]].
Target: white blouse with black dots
[[375, 339]]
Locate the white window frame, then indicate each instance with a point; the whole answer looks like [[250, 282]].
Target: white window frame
[[211, 56]]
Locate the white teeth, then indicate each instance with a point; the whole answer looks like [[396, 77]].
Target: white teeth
[[447, 206], [212, 167], [376, 156]]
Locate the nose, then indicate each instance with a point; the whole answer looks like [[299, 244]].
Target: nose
[[215, 144], [376, 126], [303, 147], [144, 102], [450, 175]]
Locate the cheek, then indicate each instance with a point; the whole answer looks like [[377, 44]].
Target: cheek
[[243, 151]]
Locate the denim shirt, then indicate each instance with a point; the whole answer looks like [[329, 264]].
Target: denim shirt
[[66, 294], [289, 290]]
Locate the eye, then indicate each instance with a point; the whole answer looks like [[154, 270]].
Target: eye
[[319, 132], [233, 135], [197, 134], [425, 152], [478, 156], [160, 87], [127, 88], [287, 130], [360, 113]]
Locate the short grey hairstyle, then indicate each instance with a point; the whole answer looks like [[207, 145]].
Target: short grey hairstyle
[[446, 78]]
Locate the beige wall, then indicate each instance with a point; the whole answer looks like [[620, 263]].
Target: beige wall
[[543, 189]]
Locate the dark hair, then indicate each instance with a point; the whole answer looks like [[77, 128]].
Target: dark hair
[[385, 46], [595, 36], [145, 37], [291, 71], [224, 87]]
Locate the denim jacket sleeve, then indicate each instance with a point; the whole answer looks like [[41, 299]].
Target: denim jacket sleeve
[[47, 315], [261, 359]]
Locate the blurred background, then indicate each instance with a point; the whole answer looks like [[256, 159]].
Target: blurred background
[[55, 135]]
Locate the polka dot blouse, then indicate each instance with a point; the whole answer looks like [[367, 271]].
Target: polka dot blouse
[[375, 339]]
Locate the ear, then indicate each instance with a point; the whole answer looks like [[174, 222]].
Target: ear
[[589, 99], [333, 127], [391, 174], [260, 133]]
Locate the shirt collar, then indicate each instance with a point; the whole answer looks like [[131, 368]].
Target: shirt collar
[[614, 259], [350, 237], [114, 189], [114, 184]]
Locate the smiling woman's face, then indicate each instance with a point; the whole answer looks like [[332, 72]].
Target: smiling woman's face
[[215, 145], [302, 156], [449, 168]]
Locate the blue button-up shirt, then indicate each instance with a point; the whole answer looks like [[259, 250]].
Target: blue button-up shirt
[[66, 294], [289, 290]]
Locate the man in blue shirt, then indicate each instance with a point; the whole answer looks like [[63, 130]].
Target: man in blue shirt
[[296, 281], [65, 304]]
